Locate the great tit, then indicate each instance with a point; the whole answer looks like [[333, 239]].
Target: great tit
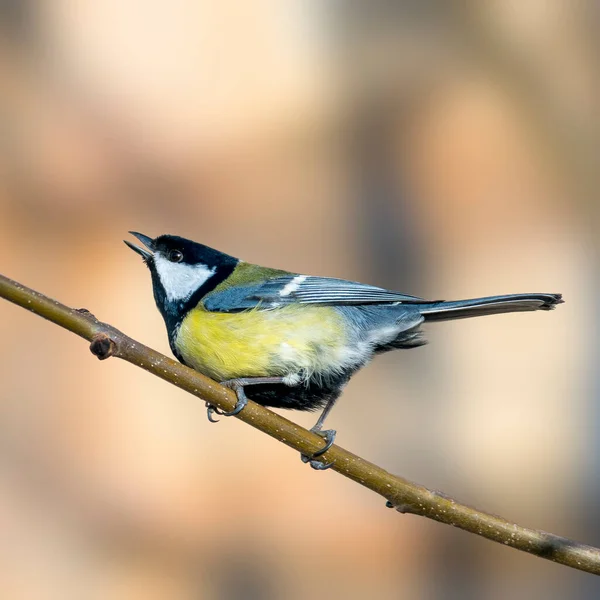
[[292, 340]]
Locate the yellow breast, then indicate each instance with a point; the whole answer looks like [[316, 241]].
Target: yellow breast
[[260, 343]]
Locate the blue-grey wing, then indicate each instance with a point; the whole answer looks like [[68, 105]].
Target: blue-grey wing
[[304, 289]]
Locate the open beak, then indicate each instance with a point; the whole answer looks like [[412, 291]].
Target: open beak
[[148, 242]]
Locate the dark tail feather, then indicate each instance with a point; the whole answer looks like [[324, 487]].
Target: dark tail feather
[[462, 309]]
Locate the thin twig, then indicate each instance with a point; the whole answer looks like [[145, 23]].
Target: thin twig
[[405, 496]]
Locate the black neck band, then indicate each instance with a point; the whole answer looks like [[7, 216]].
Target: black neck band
[[174, 312]]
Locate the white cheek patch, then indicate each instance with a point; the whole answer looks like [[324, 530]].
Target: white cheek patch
[[179, 280], [293, 285]]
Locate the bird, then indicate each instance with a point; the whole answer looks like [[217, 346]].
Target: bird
[[288, 340]]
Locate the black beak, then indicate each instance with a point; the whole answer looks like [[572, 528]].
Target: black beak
[[148, 242]]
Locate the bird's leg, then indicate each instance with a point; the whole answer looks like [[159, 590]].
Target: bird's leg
[[238, 385], [327, 434]]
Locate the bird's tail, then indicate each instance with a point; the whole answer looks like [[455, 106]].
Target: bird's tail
[[462, 309]]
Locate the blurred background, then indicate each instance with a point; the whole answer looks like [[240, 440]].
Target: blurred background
[[445, 149]]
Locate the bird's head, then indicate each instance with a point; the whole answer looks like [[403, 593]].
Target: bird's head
[[182, 271]]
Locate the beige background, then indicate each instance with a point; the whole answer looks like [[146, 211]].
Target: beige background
[[445, 149]]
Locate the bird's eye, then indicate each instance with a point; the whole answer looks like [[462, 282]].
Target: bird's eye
[[175, 256]]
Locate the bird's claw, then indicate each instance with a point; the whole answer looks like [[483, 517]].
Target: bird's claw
[[329, 436], [315, 464], [212, 410], [239, 406], [238, 387]]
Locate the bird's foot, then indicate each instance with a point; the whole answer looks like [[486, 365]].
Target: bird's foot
[[329, 436], [237, 385]]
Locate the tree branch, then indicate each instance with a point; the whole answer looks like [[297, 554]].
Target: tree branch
[[401, 494]]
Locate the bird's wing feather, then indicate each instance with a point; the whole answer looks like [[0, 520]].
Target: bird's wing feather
[[302, 289]]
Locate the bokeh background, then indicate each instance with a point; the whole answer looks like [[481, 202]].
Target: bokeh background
[[444, 149]]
